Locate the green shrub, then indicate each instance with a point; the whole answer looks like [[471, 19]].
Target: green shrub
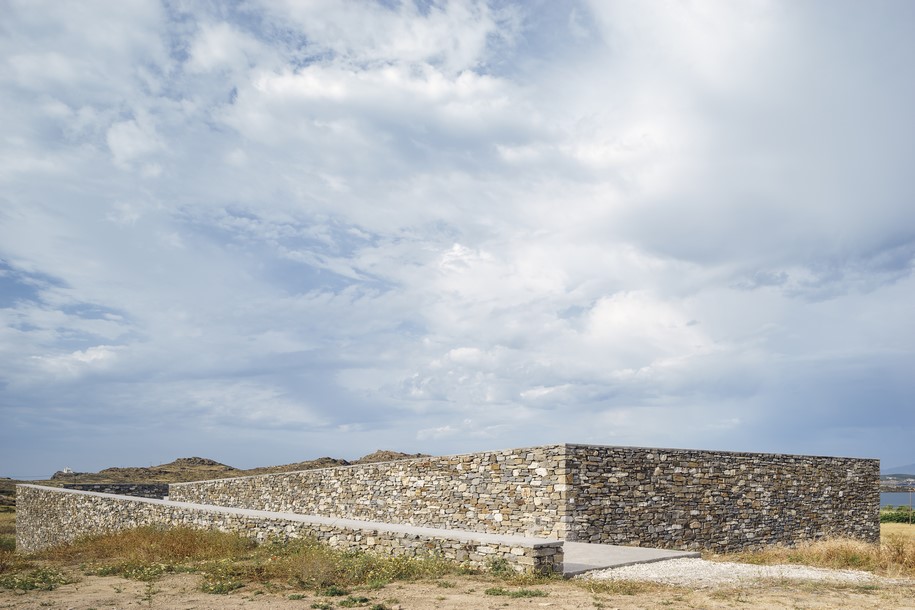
[[41, 579], [900, 514], [354, 601]]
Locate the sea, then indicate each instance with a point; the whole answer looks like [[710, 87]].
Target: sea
[[896, 498]]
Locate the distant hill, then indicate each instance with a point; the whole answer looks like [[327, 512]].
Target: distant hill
[[907, 469], [189, 469]]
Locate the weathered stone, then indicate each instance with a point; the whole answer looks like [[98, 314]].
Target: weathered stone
[[48, 516], [721, 501], [744, 514]]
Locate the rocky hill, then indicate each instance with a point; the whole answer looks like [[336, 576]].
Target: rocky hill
[[188, 469]]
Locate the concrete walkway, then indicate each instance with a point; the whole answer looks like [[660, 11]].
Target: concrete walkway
[[581, 557]]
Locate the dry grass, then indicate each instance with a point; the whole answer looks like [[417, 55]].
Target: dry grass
[[8, 558], [226, 561], [621, 587], [894, 556], [897, 529], [149, 544], [7, 521], [311, 565]]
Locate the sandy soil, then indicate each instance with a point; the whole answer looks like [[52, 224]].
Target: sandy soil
[[182, 592]]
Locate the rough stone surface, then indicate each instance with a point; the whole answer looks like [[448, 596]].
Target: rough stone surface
[[668, 498], [140, 490], [723, 501], [47, 516], [505, 492]]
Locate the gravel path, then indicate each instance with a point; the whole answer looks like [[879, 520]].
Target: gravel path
[[701, 573]]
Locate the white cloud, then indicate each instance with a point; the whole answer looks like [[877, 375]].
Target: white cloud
[[457, 226], [132, 140], [221, 46], [99, 357], [453, 35]]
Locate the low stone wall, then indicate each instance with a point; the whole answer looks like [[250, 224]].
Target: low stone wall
[[47, 516], [139, 490], [506, 492], [723, 501]]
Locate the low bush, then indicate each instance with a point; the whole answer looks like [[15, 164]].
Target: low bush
[[900, 514]]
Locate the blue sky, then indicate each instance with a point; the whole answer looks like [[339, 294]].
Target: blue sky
[[262, 232]]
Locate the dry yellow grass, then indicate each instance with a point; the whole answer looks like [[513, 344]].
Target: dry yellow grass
[[149, 544], [894, 556], [897, 529], [7, 521], [228, 562]]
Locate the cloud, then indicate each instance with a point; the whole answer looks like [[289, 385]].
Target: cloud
[[454, 35], [220, 46], [453, 226], [130, 140], [78, 362]]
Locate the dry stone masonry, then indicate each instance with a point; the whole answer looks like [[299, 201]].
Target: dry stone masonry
[[48, 516], [140, 490], [691, 500], [505, 492], [667, 498]]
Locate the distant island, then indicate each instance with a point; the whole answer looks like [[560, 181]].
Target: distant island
[[897, 482]]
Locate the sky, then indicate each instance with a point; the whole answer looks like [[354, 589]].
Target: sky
[[267, 231]]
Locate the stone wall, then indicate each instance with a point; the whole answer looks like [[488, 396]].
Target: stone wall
[[506, 492], [671, 498], [716, 500], [140, 490], [48, 516]]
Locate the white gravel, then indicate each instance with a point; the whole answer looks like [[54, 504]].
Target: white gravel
[[701, 573]]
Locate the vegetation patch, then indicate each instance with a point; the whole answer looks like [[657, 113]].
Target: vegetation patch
[[355, 601], [619, 587], [899, 514], [226, 562], [893, 556], [7, 532], [515, 593], [41, 579], [219, 586]]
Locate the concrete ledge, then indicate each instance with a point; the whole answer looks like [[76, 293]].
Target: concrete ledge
[[48, 516], [581, 557]]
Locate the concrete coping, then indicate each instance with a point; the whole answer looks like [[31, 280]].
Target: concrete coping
[[354, 524]]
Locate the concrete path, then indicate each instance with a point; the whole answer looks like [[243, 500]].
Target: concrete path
[[581, 557]]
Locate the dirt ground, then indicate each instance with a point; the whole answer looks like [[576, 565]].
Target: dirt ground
[[459, 593], [182, 592]]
